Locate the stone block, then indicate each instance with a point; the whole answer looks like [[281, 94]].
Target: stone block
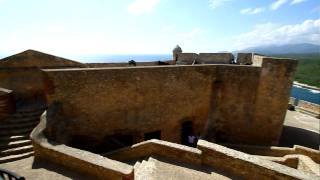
[[186, 58], [244, 58], [215, 58]]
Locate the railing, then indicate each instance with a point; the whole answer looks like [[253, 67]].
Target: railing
[[7, 175]]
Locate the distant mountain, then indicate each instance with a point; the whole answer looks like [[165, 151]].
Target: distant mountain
[[285, 49]]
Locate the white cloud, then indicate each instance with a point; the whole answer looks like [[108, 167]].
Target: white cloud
[[277, 4], [195, 31], [142, 6], [252, 10], [297, 1], [217, 3], [268, 34]]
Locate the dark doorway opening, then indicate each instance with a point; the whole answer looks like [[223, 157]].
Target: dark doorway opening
[[84, 143], [186, 131], [152, 135], [116, 142]]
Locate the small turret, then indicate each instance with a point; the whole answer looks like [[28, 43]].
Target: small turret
[[175, 52]]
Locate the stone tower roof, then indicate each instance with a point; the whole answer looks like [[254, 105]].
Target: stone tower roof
[[177, 49], [32, 58]]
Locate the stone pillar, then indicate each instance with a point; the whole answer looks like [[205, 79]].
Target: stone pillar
[[175, 52], [272, 98]]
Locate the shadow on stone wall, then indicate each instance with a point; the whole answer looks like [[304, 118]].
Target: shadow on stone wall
[[296, 136]]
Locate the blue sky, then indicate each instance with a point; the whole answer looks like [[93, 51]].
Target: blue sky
[[79, 27]]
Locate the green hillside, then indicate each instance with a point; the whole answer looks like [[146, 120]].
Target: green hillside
[[308, 71]]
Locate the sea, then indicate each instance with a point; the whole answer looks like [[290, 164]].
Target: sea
[[305, 94]]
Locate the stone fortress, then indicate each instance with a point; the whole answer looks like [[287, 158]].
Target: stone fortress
[[133, 120]]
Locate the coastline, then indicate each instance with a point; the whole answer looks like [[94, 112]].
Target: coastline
[[306, 86]]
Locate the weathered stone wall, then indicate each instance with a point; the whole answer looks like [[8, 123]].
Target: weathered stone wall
[[215, 58], [244, 58], [26, 83], [233, 105], [228, 103], [134, 101], [6, 103], [186, 58], [272, 96], [205, 58]]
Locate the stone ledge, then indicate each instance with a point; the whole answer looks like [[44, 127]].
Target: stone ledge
[[245, 165]]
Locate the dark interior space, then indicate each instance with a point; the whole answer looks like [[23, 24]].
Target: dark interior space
[[296, 136], [109, 143], [186, 130], [152, 135], [84, 143]]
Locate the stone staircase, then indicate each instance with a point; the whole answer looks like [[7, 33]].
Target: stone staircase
[[15, 143]]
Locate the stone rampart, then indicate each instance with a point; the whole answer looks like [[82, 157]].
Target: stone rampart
[[244, 58], [215, 58], [186, 58], [218, 99], [204, 58]]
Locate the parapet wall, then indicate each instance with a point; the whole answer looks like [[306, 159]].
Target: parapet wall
[[226, 103], [76, 159], [205, 58], [305, 107]]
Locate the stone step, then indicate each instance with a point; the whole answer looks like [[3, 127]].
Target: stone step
[[16, 151], [14, 138], [15, 157], [31, 114], [4, 104], [11, 120], [31, 124], [28, 111], [15, 132], [14, 144], [144, 171], [136, 165]]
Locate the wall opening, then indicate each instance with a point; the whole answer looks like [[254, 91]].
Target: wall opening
[[152, 135], [83, 143], [186, 131]]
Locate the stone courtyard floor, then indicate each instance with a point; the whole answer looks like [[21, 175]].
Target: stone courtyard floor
[[34, 170], [298, 129]]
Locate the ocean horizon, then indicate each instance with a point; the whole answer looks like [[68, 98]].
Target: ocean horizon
[[117, 58]]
